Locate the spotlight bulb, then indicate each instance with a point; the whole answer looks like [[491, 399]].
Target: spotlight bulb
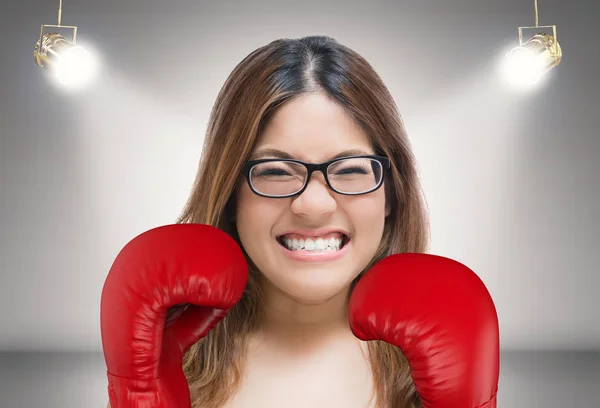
[[72, 65], [526, 65]]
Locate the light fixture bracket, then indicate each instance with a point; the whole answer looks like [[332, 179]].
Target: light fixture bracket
[[47, 39], [555, 46]]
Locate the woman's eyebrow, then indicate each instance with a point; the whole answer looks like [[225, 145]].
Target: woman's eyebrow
[[261, 153], [276, 153]]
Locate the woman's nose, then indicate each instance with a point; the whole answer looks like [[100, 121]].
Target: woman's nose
[[316, 200]]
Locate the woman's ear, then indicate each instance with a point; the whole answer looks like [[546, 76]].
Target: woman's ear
[[389, 196]]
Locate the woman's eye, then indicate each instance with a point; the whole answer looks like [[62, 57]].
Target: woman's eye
[[353, 170], [273, 172]]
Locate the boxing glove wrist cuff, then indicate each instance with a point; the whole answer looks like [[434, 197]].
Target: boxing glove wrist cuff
[[128, 393], [490, 404]]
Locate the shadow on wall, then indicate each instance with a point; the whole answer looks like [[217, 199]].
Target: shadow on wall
[[75, 380]]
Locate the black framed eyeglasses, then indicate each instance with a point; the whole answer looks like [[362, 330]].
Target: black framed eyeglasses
[[280, 178]]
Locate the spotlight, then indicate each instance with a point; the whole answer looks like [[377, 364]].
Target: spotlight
[[525, 65], [71, 65]]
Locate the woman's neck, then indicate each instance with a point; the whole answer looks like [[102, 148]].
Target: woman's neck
[[288, 321]]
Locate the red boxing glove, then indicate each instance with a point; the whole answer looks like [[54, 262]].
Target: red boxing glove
[[183, 264], [440, 314]]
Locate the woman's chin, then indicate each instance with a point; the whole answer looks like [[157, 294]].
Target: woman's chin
[[307, 294], [310, 284]]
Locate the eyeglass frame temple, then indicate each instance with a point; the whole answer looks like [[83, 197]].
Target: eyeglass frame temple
[[311, 168]]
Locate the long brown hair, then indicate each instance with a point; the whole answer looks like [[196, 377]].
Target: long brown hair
[[258, 85]]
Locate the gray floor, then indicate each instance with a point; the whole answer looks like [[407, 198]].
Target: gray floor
[[528, 379]]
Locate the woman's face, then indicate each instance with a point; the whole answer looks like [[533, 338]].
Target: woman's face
[[313, 129]]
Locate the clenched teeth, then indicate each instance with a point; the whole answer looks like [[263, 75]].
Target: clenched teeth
[[332, 243]]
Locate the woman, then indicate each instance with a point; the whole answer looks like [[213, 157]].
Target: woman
[[287, 342]]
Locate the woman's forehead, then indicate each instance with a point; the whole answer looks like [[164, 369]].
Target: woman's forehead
[[310, 115], [316, 145], [311, 127]]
